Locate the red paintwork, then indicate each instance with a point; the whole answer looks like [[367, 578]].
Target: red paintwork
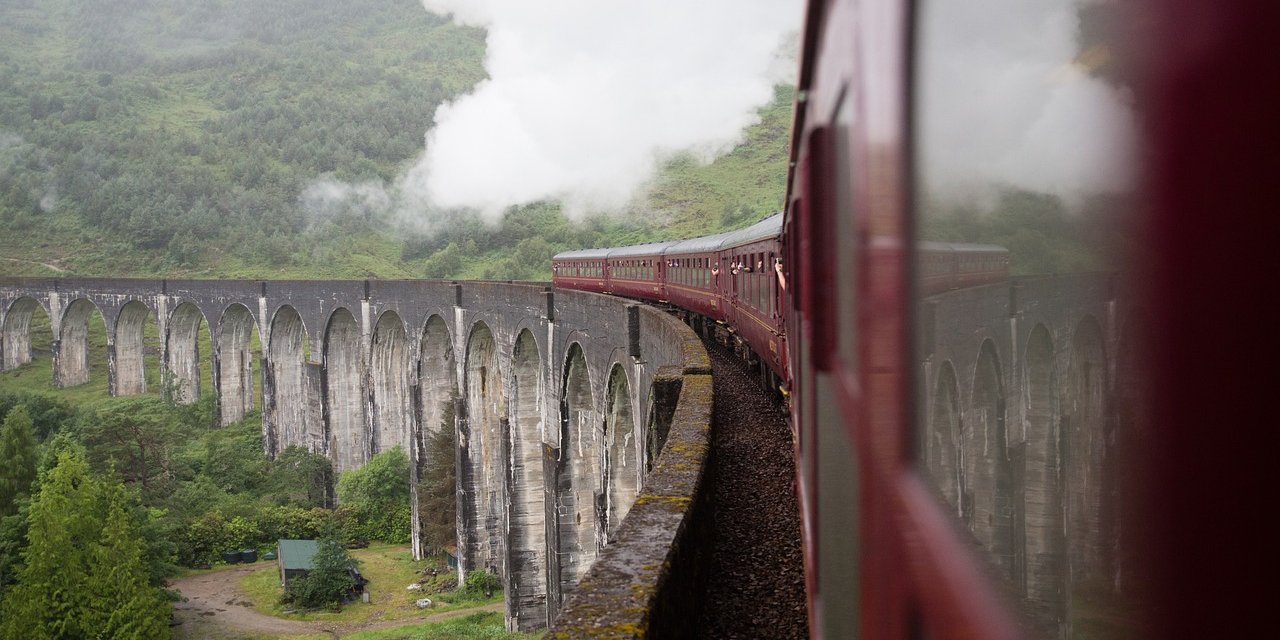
[[915, 577], [1209, 69]]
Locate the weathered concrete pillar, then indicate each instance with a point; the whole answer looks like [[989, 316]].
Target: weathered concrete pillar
[[1046, 577], [344, 392], [986, 467], [579, 495], [1084, 414], [482, 476], [527, 548], [435, 405], [622, 464], [288, 387], [233, 365], [15, 350], [180, 361], [391, 408], [71, 347], [126, 373]]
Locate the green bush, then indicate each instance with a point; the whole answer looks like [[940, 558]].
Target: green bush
[[328, 583], [482, 583]]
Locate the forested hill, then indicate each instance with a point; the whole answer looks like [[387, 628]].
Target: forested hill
[[175, 138]]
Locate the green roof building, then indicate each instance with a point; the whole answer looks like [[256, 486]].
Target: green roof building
[[295, 558]]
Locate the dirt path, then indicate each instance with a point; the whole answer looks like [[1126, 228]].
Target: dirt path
[[52, 267], [214, 608]]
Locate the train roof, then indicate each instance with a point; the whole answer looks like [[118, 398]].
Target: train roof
[[649, 249], [961, 247], [770, 227], [704, 244], [582, 254]]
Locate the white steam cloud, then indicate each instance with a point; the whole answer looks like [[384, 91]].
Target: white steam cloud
[[584, 97], [1007, 100], [583, 100]]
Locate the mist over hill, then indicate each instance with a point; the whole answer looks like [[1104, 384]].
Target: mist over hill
[[187, 138]]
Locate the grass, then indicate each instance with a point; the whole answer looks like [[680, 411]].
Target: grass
[[389, 569], [477, 626]]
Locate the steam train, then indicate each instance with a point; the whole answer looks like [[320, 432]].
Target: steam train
[[732, 279], [879, 84]]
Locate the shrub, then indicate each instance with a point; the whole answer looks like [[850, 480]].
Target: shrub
[[328, 583], [482, 583]]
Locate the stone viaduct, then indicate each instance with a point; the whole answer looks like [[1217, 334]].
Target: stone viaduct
[[562, 400], [1027, 397]]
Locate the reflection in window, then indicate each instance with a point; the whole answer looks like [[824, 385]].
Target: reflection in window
[[1023, 173]]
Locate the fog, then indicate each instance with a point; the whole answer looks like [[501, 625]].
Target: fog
[[583, 100], [1008, 100]]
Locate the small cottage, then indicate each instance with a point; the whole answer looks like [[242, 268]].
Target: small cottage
[[295, 558]]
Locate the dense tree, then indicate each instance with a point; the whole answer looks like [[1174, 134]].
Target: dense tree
[[302, 478], [17, 459], [135, 435], [83, 574], [125, 605], [437, 491], [48, 413], [384, 480]]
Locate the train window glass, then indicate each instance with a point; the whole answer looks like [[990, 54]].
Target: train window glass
[[846, 253], [1023, 359]]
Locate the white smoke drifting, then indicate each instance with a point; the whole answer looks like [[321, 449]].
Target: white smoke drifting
[[585, 97], [1007, 101]]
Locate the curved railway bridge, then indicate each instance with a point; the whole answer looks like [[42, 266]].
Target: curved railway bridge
[[583, 421]]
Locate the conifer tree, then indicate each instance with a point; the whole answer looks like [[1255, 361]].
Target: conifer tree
[[83, 575], [17, 459], [124, 605], [48, 599]]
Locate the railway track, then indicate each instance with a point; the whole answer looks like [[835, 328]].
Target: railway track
[[756, 582]]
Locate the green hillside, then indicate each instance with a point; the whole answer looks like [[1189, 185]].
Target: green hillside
[[175, 138]]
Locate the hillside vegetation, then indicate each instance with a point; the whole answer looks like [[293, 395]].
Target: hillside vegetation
[[176, 138]]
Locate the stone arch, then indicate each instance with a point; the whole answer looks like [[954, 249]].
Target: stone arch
[[1044, 576], [71, 355], [623, 460], [18, 342], [392, 393], [344, 392], [130, 375], [435, 454], [1086, 432], [287, 394], [182, 353], [483, 477], [527, 557], [944, 454], [234, 357], [988, 469], [578, 475]]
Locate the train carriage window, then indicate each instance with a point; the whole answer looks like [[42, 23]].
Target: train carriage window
[[846, 256], [1022, 189]]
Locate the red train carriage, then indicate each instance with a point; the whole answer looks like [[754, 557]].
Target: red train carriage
[[584, 269], [695, 276], [951, 265], [751, 289], [638, 271], [909, 111]]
